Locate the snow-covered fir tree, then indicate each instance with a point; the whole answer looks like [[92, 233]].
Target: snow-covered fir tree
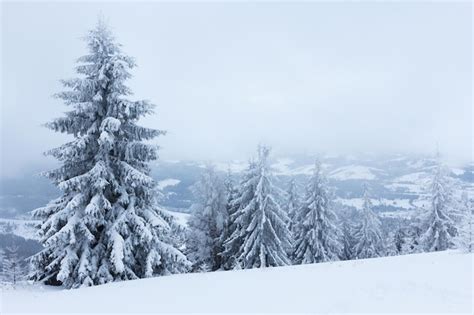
[[13, 269], [208, 220], [317, 237], [390, 245], [260, 235], [106, 226], [2, 258], [465, 225], [399, 240], [411, 241], [234, 238], [232, 205], [369, 241], [292, 204], [347, 241], [438, 226]]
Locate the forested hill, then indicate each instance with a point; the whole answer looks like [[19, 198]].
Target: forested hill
[[397, 182]]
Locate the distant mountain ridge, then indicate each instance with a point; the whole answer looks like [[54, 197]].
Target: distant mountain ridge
[[397, 182]]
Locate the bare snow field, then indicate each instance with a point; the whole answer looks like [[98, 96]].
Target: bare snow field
[[420, 283]]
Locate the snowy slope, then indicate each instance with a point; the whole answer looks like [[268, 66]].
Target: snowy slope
[[430, 283]]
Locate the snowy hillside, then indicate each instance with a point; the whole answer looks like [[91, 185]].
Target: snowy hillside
[[355, 172], [24, 228], [162, 184], [431, 283]]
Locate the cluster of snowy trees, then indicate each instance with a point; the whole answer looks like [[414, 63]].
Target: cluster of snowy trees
[[445, 224], [254, 224], [108, 226]]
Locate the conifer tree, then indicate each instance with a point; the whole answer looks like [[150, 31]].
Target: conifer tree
[[465, 225], [106, 225], [292, 204], [411, 241], [2, 260], [317, 236], [261, 236], [207, 222], [230, 248], [399, 240], [368, 236], [347, 241], [13, 269], [235, 238], [438, 226]]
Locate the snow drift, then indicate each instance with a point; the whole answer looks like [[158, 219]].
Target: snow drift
[[432, 283]]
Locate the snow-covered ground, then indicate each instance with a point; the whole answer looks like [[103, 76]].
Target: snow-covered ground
[[167, 182], [428, 283], [355, 172], [23, 228]]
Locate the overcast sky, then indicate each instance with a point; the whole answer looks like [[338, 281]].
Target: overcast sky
[[313, 77]]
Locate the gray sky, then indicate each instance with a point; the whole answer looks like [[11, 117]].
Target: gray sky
[[307, 77]]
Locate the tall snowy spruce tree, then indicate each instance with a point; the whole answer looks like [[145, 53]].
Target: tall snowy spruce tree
[[438, 226], [369, 241], [208, 220], [260, 236], [229, 260], [106, 226], [317, 238]]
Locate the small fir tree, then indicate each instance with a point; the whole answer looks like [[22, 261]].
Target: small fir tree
[[369, 241], [260, 235], [292, 204], [438, 226], [465, 225], [207, 222], [13, 269], [318, 237]]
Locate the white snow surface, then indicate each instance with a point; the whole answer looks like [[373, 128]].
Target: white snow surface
[[420, 283], [356, 172], [167, 182]]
